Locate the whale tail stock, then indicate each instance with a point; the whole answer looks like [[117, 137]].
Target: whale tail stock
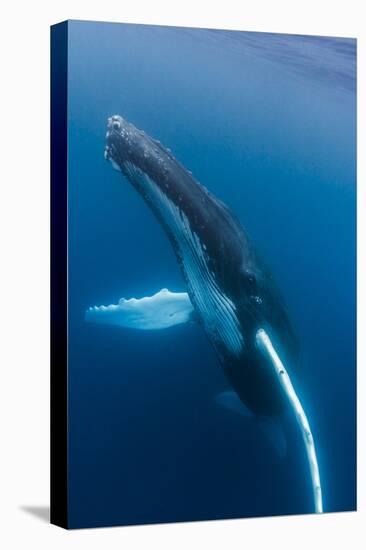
[[270, 427]]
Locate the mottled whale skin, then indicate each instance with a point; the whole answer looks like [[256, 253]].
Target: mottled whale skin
[[233, 293]]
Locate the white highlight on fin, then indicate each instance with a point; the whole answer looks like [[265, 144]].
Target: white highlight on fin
[[162, 310], [265, 345]]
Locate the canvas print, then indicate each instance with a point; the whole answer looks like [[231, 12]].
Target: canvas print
[[203, 274]]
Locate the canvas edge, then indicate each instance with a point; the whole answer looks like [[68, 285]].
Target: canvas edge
[[58, 359]]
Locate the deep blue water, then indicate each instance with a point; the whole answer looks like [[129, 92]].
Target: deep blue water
[[267, 122]]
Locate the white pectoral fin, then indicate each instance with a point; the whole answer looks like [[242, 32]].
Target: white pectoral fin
[[268, 426], [266, 347], [162, 310]]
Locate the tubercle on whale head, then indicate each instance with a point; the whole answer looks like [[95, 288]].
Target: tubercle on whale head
[[127, 143], [119, 140]]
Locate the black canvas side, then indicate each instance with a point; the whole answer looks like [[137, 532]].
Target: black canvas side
[[59, 488]]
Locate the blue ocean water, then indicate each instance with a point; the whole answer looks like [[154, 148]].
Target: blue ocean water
[[268, 124]]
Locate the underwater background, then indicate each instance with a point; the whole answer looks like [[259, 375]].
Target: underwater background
[[267, 122]]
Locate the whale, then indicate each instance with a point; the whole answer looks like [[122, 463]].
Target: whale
[[232, 291]]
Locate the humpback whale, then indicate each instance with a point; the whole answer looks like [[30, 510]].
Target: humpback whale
[[232, 291]]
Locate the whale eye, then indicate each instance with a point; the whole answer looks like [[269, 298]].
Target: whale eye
[[250, 277]]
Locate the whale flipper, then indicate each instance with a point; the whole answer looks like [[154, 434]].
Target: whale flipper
[[162, 310], [271, 429], [266, 347]]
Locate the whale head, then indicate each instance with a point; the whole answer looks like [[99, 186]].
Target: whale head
[[120, 141], [127, 145]]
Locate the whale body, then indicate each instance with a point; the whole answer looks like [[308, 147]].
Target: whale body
[[231, 290]]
